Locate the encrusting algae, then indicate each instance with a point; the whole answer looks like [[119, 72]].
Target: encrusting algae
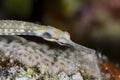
[[31, 61]]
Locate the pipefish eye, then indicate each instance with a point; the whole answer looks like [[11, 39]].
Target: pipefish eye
[[47, 35]]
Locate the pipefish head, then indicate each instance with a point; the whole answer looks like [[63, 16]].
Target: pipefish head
[[54, 35]]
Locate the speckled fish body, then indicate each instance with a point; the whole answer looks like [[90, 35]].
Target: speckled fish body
[[13, 27]]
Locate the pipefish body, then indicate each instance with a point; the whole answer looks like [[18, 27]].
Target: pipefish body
[[49, 33]]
